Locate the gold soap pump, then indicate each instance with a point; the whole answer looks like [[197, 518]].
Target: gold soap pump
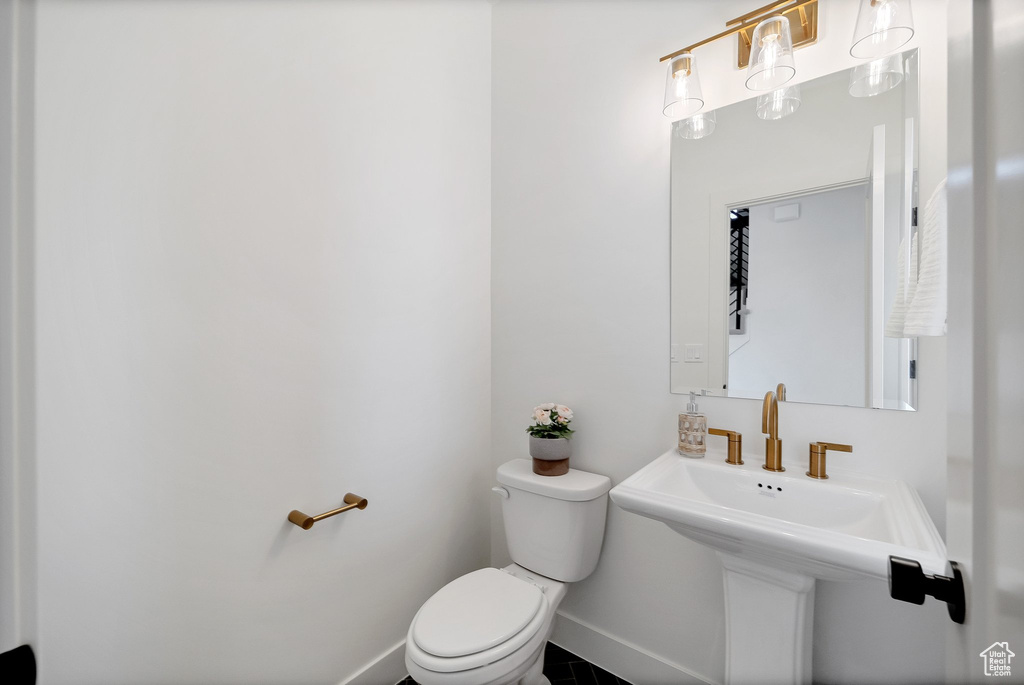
[[693, 430]]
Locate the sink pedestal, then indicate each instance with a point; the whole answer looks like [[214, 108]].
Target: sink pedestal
[[769, 614]]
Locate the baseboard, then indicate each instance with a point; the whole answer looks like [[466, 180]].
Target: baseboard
[[613, 654], [617, 656], [387, 669]]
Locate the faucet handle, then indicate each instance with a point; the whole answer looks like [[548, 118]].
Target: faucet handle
[[818, 451], [735, 445]]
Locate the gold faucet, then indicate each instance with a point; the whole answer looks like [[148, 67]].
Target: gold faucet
[[818, 450], [735, 445], [770, 427]]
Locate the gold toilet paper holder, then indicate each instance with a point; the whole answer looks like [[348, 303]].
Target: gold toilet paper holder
[[305, 521]]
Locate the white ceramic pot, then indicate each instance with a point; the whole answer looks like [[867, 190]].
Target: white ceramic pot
[[550, 449]]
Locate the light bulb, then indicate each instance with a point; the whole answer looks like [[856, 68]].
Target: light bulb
[[882, 27], [879, 76], [771, 55], [682, 88], [778, 103], [700, 125]]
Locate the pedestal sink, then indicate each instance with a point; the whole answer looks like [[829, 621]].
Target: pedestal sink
[[777, 533]]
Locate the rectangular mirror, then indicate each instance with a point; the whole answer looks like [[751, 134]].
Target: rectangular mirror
[[790, 240]]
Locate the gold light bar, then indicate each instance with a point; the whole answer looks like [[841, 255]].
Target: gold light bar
[[804, 26]]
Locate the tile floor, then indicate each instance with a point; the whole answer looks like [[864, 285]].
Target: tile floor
[[565, 668]]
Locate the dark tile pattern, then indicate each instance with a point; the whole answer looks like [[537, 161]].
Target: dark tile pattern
[[565, 668]]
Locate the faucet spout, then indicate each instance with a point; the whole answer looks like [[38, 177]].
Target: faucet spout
[[770, 427], [770, 415]]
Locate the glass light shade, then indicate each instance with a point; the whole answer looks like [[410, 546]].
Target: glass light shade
[[771, 55], [882, 27], [874, 78], [682, 88], [698, 126], [778, 103]]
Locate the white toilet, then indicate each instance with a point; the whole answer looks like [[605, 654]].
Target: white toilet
[[489, 627]]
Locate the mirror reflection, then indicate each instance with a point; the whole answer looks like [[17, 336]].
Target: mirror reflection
[[792, 224]]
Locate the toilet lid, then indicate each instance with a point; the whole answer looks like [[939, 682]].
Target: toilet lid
[[475, 612]]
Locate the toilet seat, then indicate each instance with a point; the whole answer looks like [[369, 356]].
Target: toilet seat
[[476, 620]]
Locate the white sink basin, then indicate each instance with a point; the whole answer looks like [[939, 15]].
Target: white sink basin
[[841, 528], [776, 534]]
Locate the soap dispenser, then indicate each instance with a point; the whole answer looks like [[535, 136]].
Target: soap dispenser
[[693, 430]]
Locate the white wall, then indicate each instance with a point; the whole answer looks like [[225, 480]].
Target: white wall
[[807, 301], [263, 281], [580, 208]]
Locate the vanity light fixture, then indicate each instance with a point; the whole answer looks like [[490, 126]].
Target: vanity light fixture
[[700, 125], [682, 88], [877, 77], [771, 55], [883, 26], [767, 37], [779, 103]]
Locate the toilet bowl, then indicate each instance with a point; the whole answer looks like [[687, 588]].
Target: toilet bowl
[[490, 626]]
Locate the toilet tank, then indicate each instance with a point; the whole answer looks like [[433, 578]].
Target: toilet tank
[[554, 524]]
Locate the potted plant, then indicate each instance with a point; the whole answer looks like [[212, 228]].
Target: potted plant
[[549, 439]]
